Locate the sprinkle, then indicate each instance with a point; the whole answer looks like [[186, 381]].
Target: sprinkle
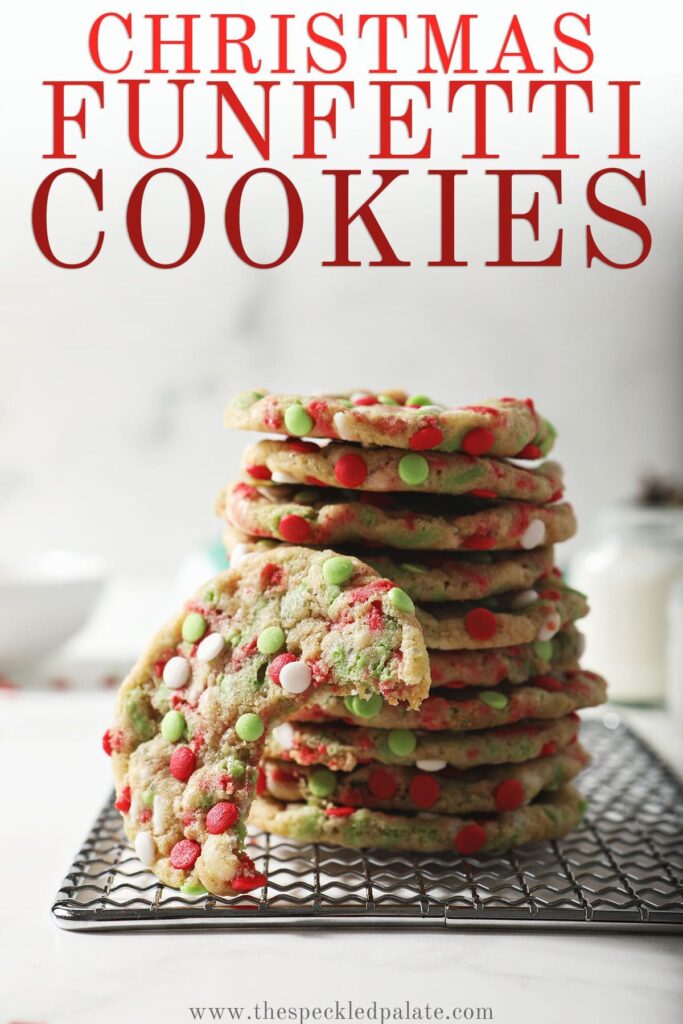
[[184, 854], [194, 627], [494, 699], [284, 736], [322, 782], [183, 762], [400, 600], [294, 528], [297, 420], [523, 599], [424, 791], [509, 795], [176, 672], [271, 639], [382, 784], [413, 469], [533, 535], [295, 677], [426, 437], [337, 570], [221, 816], [478, 441], [481, 624], [350, 470], [470, 839], [172, 726], [401, 742], [145, 848], [210, 647], [249, 727]]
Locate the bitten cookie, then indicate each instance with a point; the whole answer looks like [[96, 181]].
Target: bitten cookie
[[194, 714], [504, 426]]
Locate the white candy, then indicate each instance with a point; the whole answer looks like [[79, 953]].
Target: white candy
[[146, 848], [283, 478], [340, 425], [295, 677], [176, 672], [524, 599], [430, 764], [533, 535], [284, 736], [159, 813], [549, 627], [267, 493], [238, 554], [210, 647]]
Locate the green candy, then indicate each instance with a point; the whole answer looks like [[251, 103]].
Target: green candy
[[495, 700], [322, 782], [194, 627], [543, 649], [148, 798], [367, 708], [297, 420], [412, 567], [246, 399], [193, 889], [270, 639], [337, 570], [235, 768], [386, 400], [348, 704], [249, 727], [419, 400], [401, 742], [172, 726], [400, 600], [413, 469]]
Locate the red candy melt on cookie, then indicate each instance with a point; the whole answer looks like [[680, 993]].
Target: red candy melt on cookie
[[259, 472], [480, 624], [183, 762], [350, 470], [295, 529], [339, 812], [123, 802], [184, 854], [426, 437], [509, 795], [382, 784], [478, 441], [277, 664], [221, 817], [424, 791], [470, 839]]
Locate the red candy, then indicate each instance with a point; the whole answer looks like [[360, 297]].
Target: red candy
[[470, 839], [245, 883], [530, 451], [548, 749], [277, 664], [509, 795], [424, 791], [259, 472], [123, 802], [478, 441], [301, 446], [106, 743], [481, 492], [480, 541], [426, 437], [295, 529], [260, 781], [183, 762], [339, 812], [220, 818], [350, 470], [365, 400], [184, 854], [480, 624], [548, 683], [382, 784]]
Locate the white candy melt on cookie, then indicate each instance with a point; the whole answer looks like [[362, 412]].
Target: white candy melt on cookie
[[523, 599], [176, 672], [550, 627], [534, 535], [210, 647], [430, 764], [284, 736], [340, 422], [159, 814], [145, 848], [295, 677]]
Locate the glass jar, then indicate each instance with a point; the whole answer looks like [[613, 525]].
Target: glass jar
[[628, 574]]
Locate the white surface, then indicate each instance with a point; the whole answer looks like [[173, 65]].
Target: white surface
[[55, 778]]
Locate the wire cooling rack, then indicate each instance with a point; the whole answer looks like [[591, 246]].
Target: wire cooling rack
[[623, 869]]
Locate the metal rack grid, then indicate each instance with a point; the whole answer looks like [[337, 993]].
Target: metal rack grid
[[623, 869]]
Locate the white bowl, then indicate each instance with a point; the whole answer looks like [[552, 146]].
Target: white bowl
[[44, 600]]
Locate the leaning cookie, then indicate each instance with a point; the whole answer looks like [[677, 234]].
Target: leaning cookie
[[551, 816], [543, 697], [505, 426], [280, 512], [193, 716], [342, 747], [390, 469], [434, 576], [395, 788], [505, 620]]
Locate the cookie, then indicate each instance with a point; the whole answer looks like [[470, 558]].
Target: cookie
[[514, 664], [551, 816], [548, 696], [395, 788], [342, 747], [434, 576], [194, 714], [281, 512], [504, 620], [390, 469], [504, 426]]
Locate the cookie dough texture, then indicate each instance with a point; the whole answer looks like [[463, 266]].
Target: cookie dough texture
[[551, 816], [505, 426]]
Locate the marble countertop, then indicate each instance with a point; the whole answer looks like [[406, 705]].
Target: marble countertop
[[54, 780]]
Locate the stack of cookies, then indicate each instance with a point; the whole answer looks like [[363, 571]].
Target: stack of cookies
[[458, 512]]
